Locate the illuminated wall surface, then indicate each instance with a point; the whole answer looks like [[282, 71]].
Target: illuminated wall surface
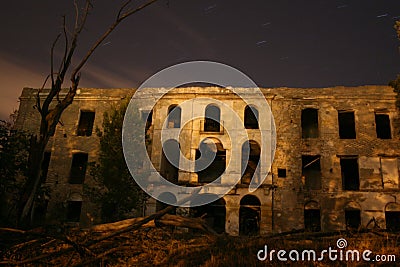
[[336, 164]]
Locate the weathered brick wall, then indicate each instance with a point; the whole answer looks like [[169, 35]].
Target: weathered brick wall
[[282, 199], [290, 196], [65, 142]]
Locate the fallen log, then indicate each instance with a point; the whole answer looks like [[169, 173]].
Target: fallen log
[[84, 248], [191, 223], [165, 220], [106, 227]]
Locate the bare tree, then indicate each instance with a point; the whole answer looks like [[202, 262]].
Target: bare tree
[[50, 113]]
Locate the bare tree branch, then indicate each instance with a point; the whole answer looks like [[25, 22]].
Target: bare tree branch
[[76, 14], [122, 8], [66, 43], [38, 94], [51, 116], [52, 60], [119, 19]]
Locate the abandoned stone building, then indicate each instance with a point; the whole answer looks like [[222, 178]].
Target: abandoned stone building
[[336, 164]]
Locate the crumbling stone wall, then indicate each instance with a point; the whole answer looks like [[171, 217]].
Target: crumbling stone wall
[[283, 200]]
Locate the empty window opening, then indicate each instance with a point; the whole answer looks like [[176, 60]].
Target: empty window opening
[[350, 174], [281, 173], [78, 168], [392, 221], [212, 119], [250, 158], [210, 161], [73, 211], [352, 218], [174, 116], [309, 123], [311, 171], [250, 117], [168, 198], [389, 172], [392, 217], [382, 123], [347, 126], [214, 214], [312, 217], [86, 121], [45, 166], [312, 220], [249, 215], [170, 160]]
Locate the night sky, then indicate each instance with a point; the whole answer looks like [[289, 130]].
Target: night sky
[[293, 43]]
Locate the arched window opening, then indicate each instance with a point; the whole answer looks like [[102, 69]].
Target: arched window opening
[[174, 116], [214, 213], [250, 117], [210, 160], [249, 215], [250, 158]]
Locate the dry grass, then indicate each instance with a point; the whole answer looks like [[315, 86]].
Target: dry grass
[[164, 247]]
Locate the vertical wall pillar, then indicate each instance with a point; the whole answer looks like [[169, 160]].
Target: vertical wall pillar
[[232, 220], [266, 220]]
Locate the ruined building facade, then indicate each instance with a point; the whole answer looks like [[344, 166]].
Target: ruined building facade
[[336, 163]]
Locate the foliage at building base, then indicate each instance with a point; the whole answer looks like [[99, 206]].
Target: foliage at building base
[[117, 194], [14, 152]]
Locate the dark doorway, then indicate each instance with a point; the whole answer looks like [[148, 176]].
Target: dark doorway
[[74, 211], [309, 123], [312, 217], [249, 215], [170, 160], [40, 212], [250, 117], [350, 174], [212, 119], [311, 171], [347, 125], [214, 214], [250, 158], [312, 220], [353, 218]]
